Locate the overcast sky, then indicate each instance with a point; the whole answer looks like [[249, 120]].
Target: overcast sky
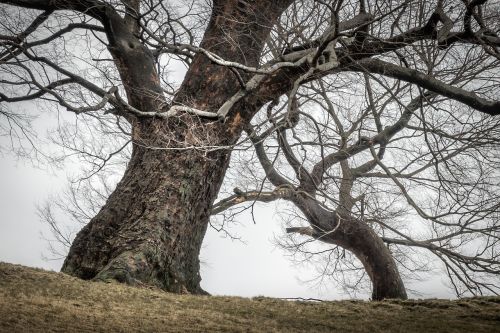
[[229, 267], [256, 267]]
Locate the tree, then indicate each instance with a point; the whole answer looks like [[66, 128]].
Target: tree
[[431, 183], [250, 55]]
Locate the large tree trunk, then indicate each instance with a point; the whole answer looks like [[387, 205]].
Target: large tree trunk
[[151, 228]]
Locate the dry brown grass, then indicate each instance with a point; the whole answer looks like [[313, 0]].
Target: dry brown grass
[[33, 300]]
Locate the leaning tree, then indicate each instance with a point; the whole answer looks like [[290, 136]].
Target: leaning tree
[[389, 178], [108, 61]]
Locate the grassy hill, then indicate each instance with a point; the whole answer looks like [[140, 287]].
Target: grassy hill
[[33, 300]]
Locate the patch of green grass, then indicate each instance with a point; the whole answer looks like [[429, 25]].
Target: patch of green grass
[[33, 300]]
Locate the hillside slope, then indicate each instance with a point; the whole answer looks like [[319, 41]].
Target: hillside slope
[[33, 300]]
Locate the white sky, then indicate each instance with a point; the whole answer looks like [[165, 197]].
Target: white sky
[[229, 267], [255, 268]]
